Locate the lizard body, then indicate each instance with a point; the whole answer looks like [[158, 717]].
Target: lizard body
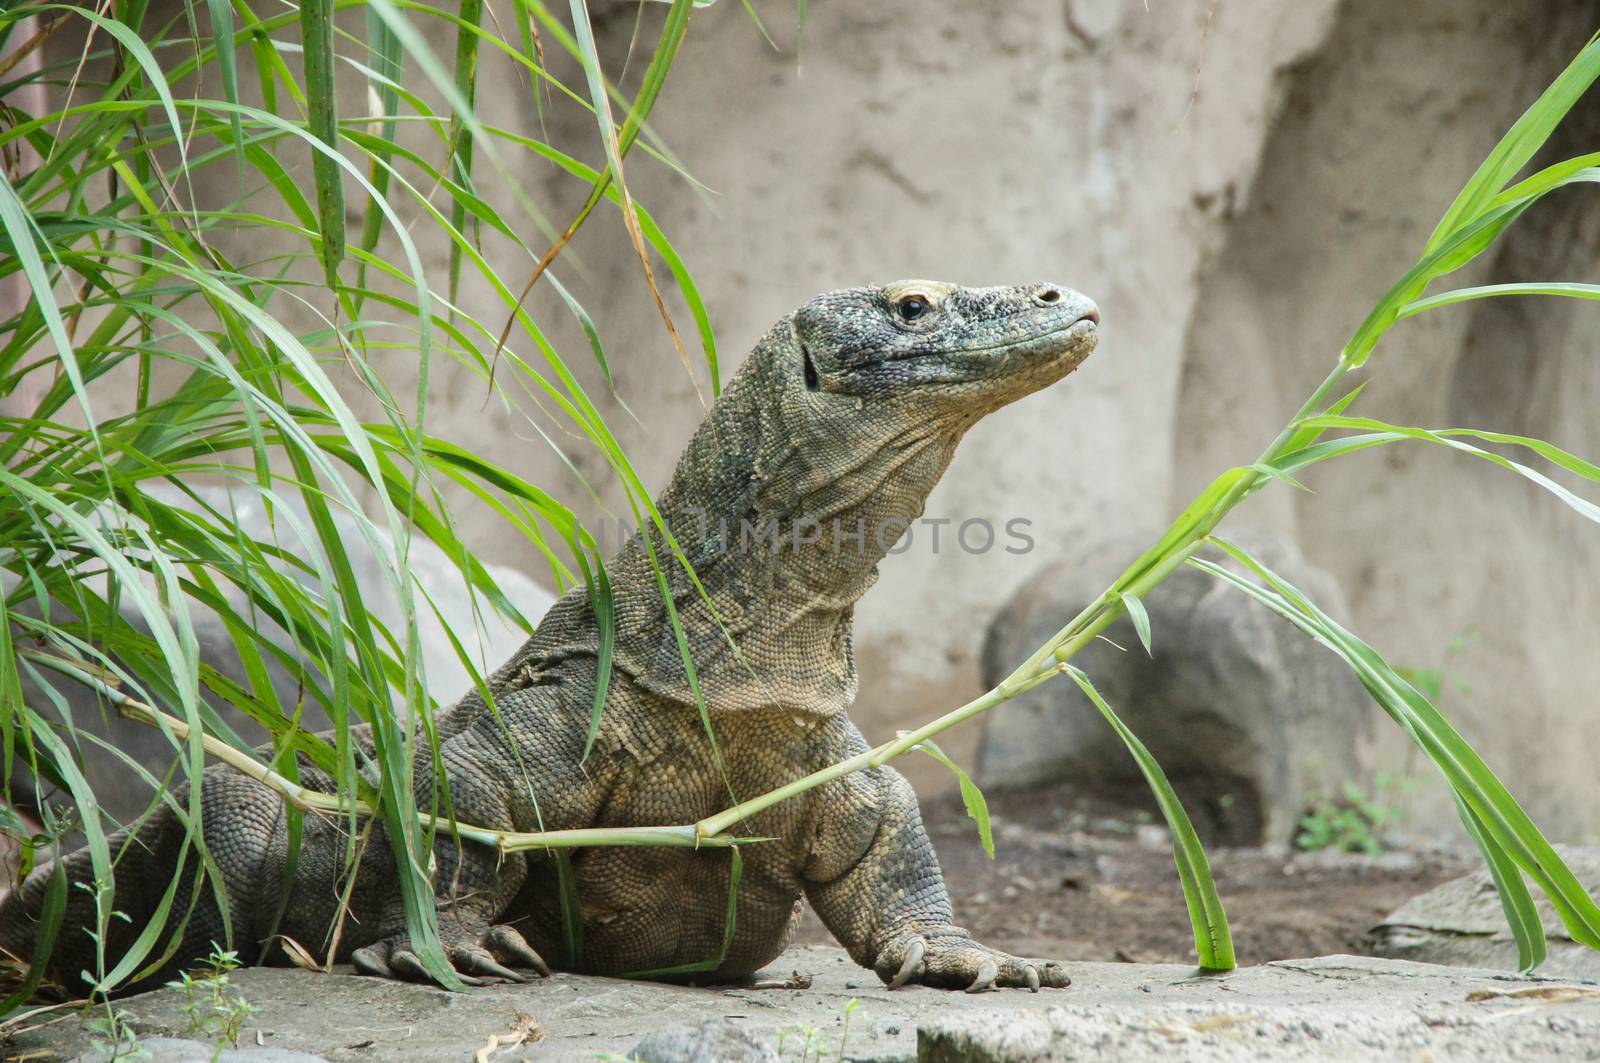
[[831, 434]]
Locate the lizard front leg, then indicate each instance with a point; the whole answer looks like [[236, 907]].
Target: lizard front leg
[[493, 783], [475, 886], [873, 878]]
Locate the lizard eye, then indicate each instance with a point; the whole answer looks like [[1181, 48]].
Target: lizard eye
[[912, 307]]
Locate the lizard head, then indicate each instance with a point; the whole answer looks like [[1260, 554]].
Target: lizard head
[[810, 466], [947, 353]]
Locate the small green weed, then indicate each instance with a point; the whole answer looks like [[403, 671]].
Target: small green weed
[[813, 1043], [1355, 821], [112, 1037], [214, 1011], [1436, 680]]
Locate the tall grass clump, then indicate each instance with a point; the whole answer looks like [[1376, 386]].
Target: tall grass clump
[[144, 357]]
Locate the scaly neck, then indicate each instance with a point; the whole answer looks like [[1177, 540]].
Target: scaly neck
[[783, 514]]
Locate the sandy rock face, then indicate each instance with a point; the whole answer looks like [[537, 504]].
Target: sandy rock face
[[1249, 718]]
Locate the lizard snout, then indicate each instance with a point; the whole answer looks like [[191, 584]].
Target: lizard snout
[[1059, 300]]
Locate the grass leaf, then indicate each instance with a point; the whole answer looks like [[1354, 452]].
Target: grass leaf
[[1496, 811], [971, 796], [316, 27], [1140, 618], [714, 962], [1212, 940], [1520, 143]]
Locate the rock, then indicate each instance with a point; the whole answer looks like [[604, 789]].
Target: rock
[[486, 633], [182, 1050], [712, 1041], [1222, 1033], [1460, 923], [1248, 717]]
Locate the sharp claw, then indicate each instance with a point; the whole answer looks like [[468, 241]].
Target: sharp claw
[[405, 964], [1032, 974], [988, 971], [510, 946], [367, 961], [914, 953], [475, 962]]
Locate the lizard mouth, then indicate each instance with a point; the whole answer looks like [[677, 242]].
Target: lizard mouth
[[1083, 327], [1086, 325], [1071, 343]]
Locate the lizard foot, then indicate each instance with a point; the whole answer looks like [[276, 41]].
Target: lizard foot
[[478, 959], [949, 959]]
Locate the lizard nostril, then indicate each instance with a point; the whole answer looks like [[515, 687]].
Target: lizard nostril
[[1048, 295]]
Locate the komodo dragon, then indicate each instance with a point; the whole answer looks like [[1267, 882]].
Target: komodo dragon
[[849, 410]]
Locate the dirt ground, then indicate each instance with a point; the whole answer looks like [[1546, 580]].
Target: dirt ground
[[1079, 877]]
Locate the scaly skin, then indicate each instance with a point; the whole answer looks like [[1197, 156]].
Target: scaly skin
[[842, 419]]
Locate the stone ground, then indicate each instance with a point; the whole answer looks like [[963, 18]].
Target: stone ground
[[1335, 1007]]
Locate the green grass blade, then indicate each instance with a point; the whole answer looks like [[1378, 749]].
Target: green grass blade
[[761, 27], [228, 68], [605, 618], [613, 141], [711, 963], [460, 141], [1381, 432], [1212, 940], [388, 63], [49, 929], [1499, 814], [316, 28], [1515, 900], [653, 235], [1140, 618], [971, 796], [1488, 291], [1520, 143], [1462, 245], [571, 910], [21, 230]]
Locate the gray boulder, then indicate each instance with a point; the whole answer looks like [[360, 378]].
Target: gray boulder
[[712, 1041], [1461, 924], [1248, 717]]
